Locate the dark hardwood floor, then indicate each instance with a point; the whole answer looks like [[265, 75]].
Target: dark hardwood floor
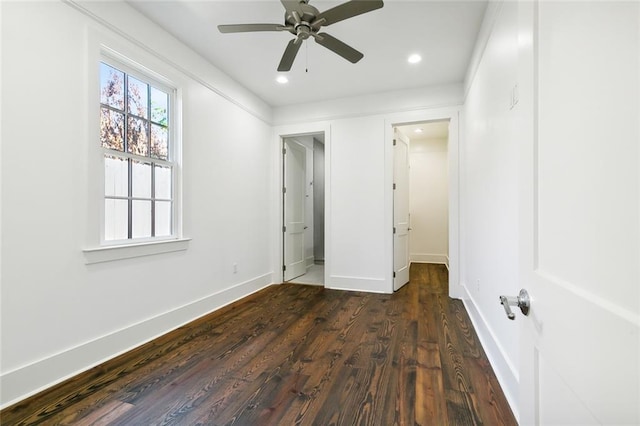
[[294, 354]]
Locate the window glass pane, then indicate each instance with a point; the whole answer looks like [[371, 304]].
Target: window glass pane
[[159, 141], [159, 106], [137, 141], [112, 129], [111, 86], [138, 97], [163, 218], [116, 218], [141, 173], [141, 217], [116, 173], [163, 182]]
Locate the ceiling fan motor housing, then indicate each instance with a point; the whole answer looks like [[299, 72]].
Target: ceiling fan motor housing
[[306, 15]]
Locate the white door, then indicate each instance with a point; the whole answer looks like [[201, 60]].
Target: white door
[[400, 210], [294, 200], [579, 213]]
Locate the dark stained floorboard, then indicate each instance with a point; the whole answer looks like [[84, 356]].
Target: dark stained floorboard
[[295, 355]]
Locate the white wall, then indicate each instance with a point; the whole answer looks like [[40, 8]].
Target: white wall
[[357, 215], [359, 186], [429, 201], [60, 315], [489, 197], [393, 102]]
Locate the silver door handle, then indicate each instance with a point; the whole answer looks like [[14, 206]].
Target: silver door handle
[[523, 301]]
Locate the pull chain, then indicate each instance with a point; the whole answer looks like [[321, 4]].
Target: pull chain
[[306, 51]]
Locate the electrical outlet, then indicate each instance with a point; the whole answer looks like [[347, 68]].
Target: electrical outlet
[[235, 268], [478, 284]]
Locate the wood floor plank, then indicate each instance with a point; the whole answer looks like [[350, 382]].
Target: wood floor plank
[[296, 355], [104, 416], [471, 347], [323, 356], [430, 402]]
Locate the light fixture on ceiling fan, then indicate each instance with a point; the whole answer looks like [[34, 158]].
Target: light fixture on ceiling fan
[[304, 21]]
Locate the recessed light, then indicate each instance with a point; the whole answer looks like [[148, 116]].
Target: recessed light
[[418, 130], [415, 58], [282, 79]]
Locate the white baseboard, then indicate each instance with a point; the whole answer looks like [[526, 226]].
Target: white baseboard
[[310, 261], [371, 285], [441, 259], [30, 379], [506, 373]]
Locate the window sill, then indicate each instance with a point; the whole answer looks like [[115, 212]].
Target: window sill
[[127, 251]]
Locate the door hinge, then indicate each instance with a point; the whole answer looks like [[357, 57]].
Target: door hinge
[[394, 274], [394, 229], [394, 142], [284, 151], [284, 190], [284, 268], [284, 229], [394, 186]]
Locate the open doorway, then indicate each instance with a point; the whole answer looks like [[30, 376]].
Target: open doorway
[[303, 209], [428, 194]]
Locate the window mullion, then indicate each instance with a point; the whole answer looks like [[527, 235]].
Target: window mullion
[[126, 113], [153, 198], [153, 174], [130, 199], [129, 160]]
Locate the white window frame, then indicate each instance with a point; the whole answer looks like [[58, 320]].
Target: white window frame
[[171, 153], [101, 250]]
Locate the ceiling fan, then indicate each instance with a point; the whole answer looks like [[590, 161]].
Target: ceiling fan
[[304, 21]]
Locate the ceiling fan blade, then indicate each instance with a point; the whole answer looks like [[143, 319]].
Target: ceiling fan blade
[[289, 54], [245, 28], [335, 45], [291, 5], [348, 10]]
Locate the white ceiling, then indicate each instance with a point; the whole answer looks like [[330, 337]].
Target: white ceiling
[[430, 130], [443, 32]]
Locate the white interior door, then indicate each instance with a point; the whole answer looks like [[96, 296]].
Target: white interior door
[[400, 210], [294, 211], [579, 213]]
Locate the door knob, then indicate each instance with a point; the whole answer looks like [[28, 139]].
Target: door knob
[[522, 301]]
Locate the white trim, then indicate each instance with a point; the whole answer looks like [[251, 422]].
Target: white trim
[[589, 297], [279, 133], [365, 284], [127, 251], [85, 9], [486, 29], [101, 46], [1, 116], [453, 152], [310, 262], [505, 371], [374, 104], [125, 64], [35, 377], [441, 259]]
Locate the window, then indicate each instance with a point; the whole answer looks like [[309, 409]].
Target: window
[[139, 167]]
